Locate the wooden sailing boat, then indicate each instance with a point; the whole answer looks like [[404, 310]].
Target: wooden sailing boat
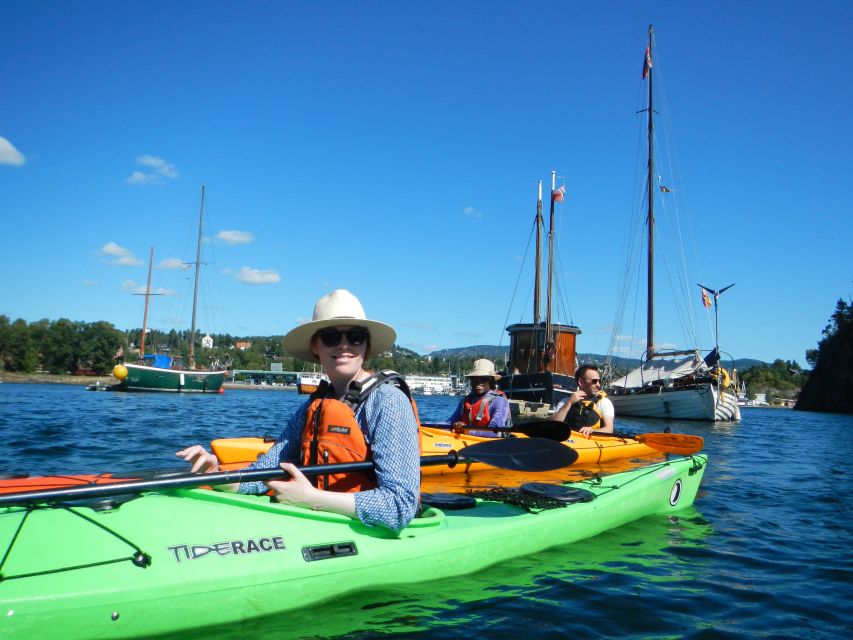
[[159, 371], [542, 357], [672, 384]]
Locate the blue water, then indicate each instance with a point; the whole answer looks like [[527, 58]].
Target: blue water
[[765, 551]]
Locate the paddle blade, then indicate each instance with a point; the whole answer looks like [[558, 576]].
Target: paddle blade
[[679, 443], [548, 429], [520, 454]]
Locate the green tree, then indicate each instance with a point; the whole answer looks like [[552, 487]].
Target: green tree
[[60, 346], [830, 384], [5, 329], [99, 342], [20, 352]]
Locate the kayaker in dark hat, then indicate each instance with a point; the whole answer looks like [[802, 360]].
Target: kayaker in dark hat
[[356, 417], [485, 407], [588, 409]]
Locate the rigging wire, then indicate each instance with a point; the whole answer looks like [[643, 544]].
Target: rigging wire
[[676, 225], [517, 281], [686, 234]]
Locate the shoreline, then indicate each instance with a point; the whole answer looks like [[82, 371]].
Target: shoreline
[[83, 380], [53, 378]]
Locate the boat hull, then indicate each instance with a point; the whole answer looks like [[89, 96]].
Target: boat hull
[[142, 378], [698, 402], [207, 558]]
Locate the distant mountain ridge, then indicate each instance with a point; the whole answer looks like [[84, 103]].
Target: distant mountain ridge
[[494, 352]]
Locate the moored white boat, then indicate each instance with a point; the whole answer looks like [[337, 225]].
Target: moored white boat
[[676, 398], [670, 384], [309, 381]]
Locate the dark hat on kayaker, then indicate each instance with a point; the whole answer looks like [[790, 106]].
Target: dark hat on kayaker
[[483, 369], [338, 308]]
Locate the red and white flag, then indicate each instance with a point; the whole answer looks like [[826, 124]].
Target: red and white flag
[[647, 63], [558, 194]]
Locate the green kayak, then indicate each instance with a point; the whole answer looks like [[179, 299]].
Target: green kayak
[[169, 561]]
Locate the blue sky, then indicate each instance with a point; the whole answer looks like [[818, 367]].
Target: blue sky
[[393, 148]]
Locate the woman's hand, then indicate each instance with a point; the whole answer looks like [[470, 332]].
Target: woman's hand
[[297, 490], [201, 459]]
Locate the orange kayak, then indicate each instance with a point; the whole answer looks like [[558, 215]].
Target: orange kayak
[[592, 450]]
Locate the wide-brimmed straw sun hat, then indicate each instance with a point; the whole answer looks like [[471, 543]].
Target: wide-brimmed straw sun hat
[[338, 308], [483, 369]]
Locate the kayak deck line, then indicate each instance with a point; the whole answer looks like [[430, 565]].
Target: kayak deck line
[[138, 558]]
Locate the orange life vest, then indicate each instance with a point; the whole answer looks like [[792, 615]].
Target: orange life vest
[[332, 433], [477, 414]]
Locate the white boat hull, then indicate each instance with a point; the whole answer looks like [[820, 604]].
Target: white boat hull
[[699, 402]]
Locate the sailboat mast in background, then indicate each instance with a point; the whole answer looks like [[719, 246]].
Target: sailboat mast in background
[[191, 356]]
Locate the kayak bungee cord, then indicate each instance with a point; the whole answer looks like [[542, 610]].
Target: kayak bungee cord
[[537, 498], [598, 480], [139, 557]]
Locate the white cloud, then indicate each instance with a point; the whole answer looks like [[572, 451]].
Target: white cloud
[[235, 237], [471, 212], [9, 154], [116, 254], [172, 263], [88, 283], [157, 171], [132, 287], [247, 275]]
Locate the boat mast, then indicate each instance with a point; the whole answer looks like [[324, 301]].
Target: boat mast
[[145, 313], [191, 358], [549, 331], [536, 287], [650, 318]]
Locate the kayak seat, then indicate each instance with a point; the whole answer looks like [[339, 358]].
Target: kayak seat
[[448, 501]]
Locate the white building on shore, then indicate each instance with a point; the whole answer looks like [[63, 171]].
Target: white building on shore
[[433, 385]]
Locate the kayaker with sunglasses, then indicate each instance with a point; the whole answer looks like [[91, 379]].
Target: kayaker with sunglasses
[[355, 417], [484, 409], [588, 409]]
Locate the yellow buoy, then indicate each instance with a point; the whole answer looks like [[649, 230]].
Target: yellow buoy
[[120, 371]]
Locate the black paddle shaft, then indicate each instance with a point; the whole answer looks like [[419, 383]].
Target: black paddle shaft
[[518, 454]]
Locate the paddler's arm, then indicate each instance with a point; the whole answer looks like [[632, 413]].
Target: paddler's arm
[[563, 409], [204, 462], [500, 417], [299, 492]]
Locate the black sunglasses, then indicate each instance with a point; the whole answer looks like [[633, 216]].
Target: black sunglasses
[[332, 337]]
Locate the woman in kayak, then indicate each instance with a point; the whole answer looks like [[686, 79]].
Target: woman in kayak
[[353, 418]]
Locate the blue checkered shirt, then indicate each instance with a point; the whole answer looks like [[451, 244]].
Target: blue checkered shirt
[[389, 426]]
